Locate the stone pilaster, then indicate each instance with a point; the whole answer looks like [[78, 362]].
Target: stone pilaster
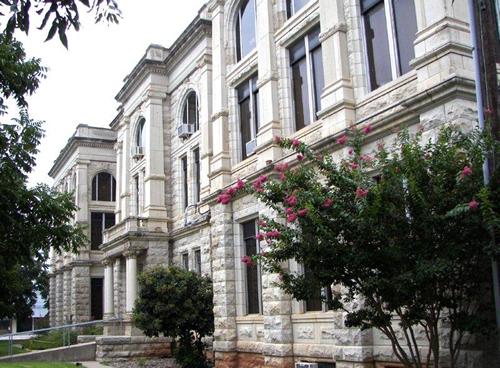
[[206, 145], [52, 299], [443, 62], [80, 292], [154, 180], [67, 294], [224, 283], [123, 181], [59, 297], [337, 99], [268, 85], [220, 166]]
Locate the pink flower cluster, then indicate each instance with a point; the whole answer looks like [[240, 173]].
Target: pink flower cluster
[[466, 171], [291, 200], [247, 260], [327, 203], [367, 128], [361, 193], [257, 183], [342, 139], [473, 205], [227, 195]]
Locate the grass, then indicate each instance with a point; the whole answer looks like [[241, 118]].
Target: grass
[[37, 365], [4, 348]]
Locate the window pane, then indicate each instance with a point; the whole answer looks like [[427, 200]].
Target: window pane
[[256, 119], [377, 46], [185, 261], [137, 194], [197, 261], [293, 6], [245, 121], [109, 220], [297, 51], [104, 187], [314, 302], [95, 230], [406, 29], [196, 154], [96, 298], [319, 80], [94, 188], [113, 189], [300, 94], [253, 304], [247, 28], [191, 110], [185, 180]]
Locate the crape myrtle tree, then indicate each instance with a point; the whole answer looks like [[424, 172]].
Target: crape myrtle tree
[[179, 304], [403, 231], [32, 220]]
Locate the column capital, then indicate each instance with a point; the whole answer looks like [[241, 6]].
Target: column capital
[[131, 253]]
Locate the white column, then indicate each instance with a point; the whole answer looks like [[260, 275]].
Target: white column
[[108, 289], [131, 281]]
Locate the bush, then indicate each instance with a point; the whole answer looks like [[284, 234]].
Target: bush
[[177, 304]]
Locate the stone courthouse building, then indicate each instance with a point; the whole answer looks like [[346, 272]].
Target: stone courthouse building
[[198, 115]]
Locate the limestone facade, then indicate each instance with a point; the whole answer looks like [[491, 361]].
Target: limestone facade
[[76, 279], [309, 72]]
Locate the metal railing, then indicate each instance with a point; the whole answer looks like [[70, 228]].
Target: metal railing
[[68, 335]]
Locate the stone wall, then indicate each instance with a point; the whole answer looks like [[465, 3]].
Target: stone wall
[[80, 300], [128, 347]]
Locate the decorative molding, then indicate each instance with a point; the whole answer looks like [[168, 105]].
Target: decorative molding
[[339, 27], [220, 114]]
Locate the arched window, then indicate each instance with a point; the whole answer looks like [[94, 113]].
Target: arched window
[[104, 187], [140, 137], [190, 111], [245, 29]]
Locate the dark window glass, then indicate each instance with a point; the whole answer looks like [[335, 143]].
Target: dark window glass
[[252, 272], [293, 6], [307, 77], [184, 168], [313, 304], [190, 115], [197, 261], [197, 183], [248, 100], [96, 298], [140, 136], [377, 45], [95, 230], [98, 222], [104, 187], [245, 29], [301, 94], [319, 80], [137, 195], [185, 261], [406, 28]]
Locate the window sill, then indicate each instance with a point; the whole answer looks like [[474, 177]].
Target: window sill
[[296, 25], [250, 318], [243, 69], [387, 88], [313, 316], [244, 163]]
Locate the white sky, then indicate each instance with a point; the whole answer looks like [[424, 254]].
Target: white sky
[[81, 82]]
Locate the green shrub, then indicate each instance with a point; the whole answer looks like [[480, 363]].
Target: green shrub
[[177, 304]]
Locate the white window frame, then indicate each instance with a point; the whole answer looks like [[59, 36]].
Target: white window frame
[[392, 42], [185, 257], [238, 41]]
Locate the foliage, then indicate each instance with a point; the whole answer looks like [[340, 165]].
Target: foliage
[[404, 232], [177, 303], [62, 14]]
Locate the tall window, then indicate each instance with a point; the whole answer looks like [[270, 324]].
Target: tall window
[[99, 221], [140, 136], [190, 111], [253, 285], [314, 302], [197, 183], [307, 77], [390, 29], [184, 171], [197, 261], [245, 29], [185, 261], [293, 6], [248, 101], [96, 298], [104, 187]]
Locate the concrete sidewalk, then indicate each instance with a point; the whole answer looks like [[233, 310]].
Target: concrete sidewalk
[[94, 365]]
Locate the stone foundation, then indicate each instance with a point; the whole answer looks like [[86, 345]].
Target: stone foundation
[[129, 347]]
